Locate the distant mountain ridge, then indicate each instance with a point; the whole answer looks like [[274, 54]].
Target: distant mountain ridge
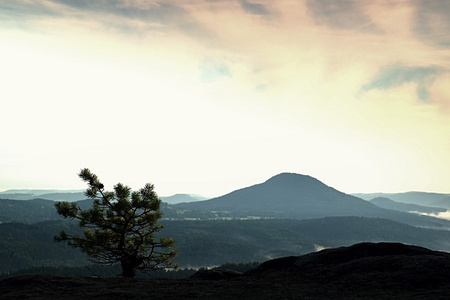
[[406, 207], [419, 198], [181, 198], [78, 195], [284, 196], [290, 195], [55, 195], [38, 191]]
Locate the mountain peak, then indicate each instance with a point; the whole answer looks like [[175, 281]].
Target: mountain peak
[[288, 195], [291, 180], [286, 176]]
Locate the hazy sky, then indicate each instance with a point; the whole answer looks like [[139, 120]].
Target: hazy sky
[[208, 96]]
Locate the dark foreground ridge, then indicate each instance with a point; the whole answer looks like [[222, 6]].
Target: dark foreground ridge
[[361, 271]]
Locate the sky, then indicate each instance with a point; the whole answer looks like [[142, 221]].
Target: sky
[[210, 96]]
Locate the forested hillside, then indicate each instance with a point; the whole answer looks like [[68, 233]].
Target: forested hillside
[[212, 243], [30, 245], [27, 211]]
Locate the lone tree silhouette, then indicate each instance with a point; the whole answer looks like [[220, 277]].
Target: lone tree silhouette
[[120, 227]]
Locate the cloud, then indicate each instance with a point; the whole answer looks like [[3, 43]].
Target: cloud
[[254, 8], [211, 70], [128, 8], [397, 75], [432, 21], [441, 215], [341, 14], [18, 12], [294, 66], [165, 13], [318, 248], [121, 15]]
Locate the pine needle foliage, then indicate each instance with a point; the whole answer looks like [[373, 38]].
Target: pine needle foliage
[[119, 228]]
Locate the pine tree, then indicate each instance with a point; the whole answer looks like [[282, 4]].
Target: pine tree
[[119, 228]]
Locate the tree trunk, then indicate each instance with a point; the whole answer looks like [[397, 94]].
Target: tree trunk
[[128, 270]]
